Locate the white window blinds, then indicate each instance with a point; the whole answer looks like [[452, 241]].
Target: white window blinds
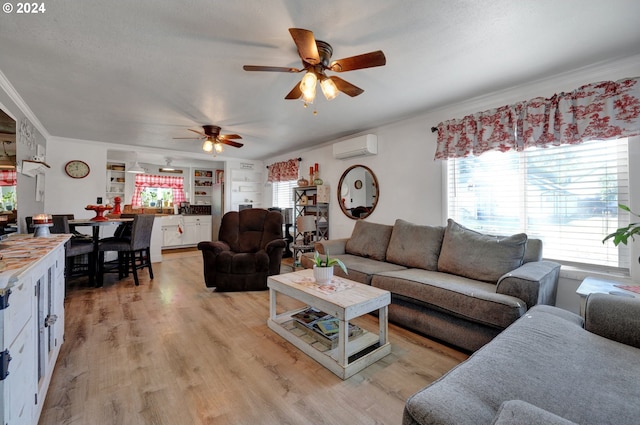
[[283, 194], [565, 195]]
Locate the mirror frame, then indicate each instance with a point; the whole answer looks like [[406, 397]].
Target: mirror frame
[[339, 192]]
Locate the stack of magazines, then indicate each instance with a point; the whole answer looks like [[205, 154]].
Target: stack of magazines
[[322, 326]]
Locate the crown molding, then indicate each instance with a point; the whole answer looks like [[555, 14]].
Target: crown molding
[[22, 105]]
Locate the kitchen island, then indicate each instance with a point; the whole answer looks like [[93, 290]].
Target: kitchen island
[[31, 322]]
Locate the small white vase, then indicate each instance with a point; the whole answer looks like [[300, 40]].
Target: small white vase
[[322, 275]]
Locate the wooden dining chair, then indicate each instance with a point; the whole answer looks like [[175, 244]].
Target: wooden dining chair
[[134, 252]]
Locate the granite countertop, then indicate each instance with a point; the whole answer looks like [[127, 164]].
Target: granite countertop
[[19, 251]]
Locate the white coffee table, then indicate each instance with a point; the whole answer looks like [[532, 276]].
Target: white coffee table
[[350, 356]]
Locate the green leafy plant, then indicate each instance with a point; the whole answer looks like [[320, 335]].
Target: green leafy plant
[[623, 234], [328, 262]]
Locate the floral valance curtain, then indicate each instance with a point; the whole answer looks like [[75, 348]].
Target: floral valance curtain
[[144, 181], [283, 171], [7, 177], [605, 110]]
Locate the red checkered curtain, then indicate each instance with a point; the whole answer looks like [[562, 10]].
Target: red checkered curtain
[[7, 177], [283, 171], [144, 181], [598, 111]]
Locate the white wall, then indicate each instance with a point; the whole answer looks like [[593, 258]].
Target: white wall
[[66, 195]]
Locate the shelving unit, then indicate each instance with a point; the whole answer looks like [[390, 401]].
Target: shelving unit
[[246, 188], [115, 180], [306, 203], [202, 184]]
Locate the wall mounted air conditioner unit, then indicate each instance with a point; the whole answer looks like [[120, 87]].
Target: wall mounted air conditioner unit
[[358, 146]]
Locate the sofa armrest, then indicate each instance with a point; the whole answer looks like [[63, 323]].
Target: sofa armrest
[[518, 412], [216, 246], [614, 317], [334, 246], [534, 283]]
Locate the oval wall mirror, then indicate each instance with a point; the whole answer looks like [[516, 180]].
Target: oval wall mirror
[[358, 192]]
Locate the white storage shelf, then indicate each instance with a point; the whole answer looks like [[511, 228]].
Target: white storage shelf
[[115, 180], [202, 184], [246, 188]]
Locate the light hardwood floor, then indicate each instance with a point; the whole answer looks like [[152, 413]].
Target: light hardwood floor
[[173, 352]]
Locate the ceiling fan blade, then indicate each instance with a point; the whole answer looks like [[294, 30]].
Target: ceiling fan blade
[[199, 132], [230, 143], [229, 136], [295, 93], [306, 43], [346, 87], [187, 138], [270, 68], [367, 60]]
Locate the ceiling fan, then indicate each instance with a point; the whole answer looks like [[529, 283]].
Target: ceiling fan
[[213, 140], [316, 59]]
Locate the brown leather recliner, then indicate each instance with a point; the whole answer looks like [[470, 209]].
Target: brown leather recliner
[[248, 250]]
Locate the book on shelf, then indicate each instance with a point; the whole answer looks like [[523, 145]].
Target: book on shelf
[[328, 326], [310, 316], [330, 341]]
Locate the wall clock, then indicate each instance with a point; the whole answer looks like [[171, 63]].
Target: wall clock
[[77, 169]]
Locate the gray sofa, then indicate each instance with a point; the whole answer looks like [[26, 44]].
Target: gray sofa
[[450, 283], [545, 369]]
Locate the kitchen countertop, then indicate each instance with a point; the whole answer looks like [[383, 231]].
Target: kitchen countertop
[[21, 251]]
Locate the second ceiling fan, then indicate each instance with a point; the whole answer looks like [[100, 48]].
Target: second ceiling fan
[[316, 59], [213, 140]]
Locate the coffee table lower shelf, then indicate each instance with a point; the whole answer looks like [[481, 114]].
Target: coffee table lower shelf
[[361, 352]]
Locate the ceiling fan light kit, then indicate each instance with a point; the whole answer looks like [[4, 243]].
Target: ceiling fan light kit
[[207, 145], [316, 58]]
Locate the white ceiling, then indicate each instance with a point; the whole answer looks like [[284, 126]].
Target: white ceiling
[[143, 72]]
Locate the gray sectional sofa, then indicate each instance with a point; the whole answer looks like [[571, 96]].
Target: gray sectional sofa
[[450, 283], [546, 368]]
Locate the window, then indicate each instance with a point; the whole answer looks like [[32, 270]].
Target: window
[[283, 194], [565, 195], [151, 190]]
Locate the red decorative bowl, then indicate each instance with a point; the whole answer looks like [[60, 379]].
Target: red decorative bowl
[[99, 210]]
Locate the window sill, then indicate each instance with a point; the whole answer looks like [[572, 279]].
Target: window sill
[[579, 273]]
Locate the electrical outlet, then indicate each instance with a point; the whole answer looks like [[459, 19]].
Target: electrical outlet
[[99, 200]]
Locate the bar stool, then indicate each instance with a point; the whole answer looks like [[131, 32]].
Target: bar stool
[[133, 252]]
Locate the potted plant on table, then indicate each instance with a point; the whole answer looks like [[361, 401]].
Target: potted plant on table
[[323, 268]]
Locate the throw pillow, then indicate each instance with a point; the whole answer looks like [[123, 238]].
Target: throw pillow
[[468, 253], [369, 240], [413, 245]]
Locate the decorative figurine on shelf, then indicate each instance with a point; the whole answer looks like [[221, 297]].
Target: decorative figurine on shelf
[[302, 182], [317, 180]]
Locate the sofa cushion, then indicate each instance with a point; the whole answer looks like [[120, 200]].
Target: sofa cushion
[[463, 297], [413, 245], [369, 240], [518, 412], [468, 253]]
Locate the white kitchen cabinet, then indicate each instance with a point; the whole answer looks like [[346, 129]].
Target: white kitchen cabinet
[[31, 325], [185, 230], [197, 228], [172, 231]]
